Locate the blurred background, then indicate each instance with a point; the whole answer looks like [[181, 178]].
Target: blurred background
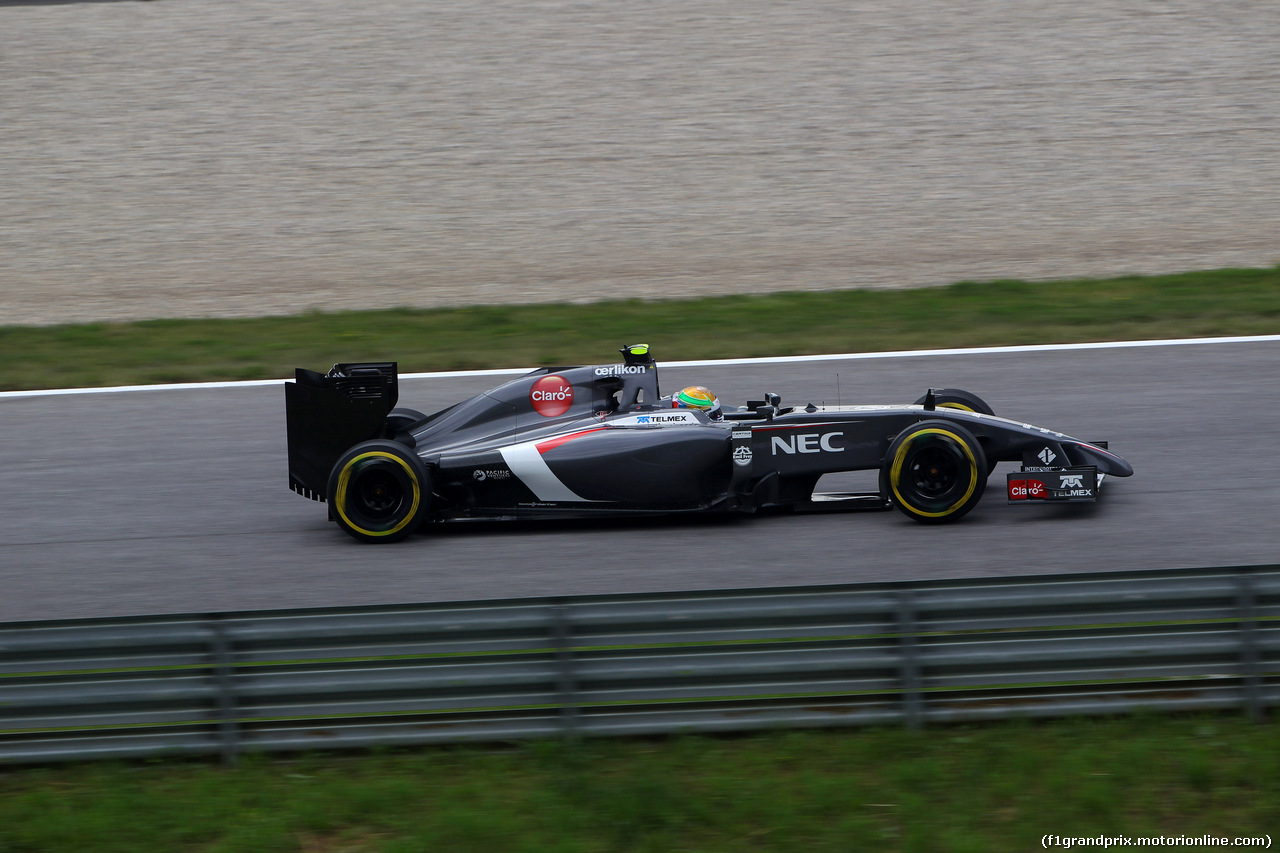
[[187, 158]]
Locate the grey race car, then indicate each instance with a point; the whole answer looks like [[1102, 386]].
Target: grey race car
[[600, 441]]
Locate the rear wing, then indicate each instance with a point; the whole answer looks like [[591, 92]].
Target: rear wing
[[327, 413]]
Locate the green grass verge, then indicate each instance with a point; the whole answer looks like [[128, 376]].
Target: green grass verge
[[1220, 302], [965, 788]]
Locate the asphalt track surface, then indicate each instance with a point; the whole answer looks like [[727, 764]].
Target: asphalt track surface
[[174, 501]]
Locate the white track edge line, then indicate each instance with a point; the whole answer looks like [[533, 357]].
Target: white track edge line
[[715, 362]]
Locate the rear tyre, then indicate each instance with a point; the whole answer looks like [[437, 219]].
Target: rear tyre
[[398, 420], [934, 472], [379, 491], [954, 398]]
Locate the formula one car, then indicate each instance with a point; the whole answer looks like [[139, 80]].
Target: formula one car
[[602, 441]]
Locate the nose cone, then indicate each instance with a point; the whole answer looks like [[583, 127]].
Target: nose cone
[[1106, 461]]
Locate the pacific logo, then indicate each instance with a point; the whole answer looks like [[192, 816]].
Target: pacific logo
[[551, 395]]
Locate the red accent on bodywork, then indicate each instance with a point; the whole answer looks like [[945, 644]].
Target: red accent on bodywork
[[551, 396], [552, 443], [1023, 490]]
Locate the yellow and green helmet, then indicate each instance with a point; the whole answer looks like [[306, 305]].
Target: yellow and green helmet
[[697, 397]]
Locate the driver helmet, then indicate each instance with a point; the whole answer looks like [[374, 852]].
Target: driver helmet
[[698, 397]]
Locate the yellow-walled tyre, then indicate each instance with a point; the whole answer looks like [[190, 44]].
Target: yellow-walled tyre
[[955, 398], [379, 491], [934, 472]]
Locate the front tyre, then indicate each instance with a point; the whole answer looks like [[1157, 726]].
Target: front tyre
[[956, 398], [935, 471], [379, 491]]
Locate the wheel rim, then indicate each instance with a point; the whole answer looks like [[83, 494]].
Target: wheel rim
[[934, 473], [377, 494]]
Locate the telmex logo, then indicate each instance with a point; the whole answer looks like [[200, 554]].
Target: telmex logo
[[808, 443], [551, 395], [659, 420], [1072, 481]]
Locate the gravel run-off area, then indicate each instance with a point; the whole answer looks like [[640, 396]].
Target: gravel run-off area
[[199, 158]]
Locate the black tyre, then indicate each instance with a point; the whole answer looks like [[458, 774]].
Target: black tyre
[[398, 420], [954, 398], [934, 472], [379, 491]]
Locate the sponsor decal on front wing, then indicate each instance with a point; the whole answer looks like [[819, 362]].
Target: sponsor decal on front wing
[[1027, 490], [1069, 485]]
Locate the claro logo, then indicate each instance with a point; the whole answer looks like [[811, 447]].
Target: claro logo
[[1027, 490], [809, 443], [551, 395]]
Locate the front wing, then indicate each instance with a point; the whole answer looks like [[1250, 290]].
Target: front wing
[[1054, 485]]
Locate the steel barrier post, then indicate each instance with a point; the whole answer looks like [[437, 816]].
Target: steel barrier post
[[224, 678], [1247, 626], [566, 684], [909, 666]]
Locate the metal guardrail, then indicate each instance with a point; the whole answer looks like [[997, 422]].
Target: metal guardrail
[[908, 653]]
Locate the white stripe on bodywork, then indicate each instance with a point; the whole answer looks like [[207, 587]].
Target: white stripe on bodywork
[[717, 362], [527, 463]]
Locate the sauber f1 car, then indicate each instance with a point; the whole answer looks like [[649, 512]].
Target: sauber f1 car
[[601, 441]]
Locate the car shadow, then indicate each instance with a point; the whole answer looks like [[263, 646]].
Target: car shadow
[[523, 527]]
